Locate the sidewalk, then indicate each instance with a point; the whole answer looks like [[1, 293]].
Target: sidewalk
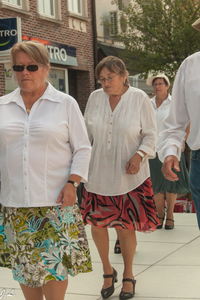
[[166, 266]]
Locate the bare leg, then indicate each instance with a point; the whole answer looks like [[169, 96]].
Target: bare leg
[[53, 290], [128, 245], [32, 293], [101, 240], [160, 205], [171, 199]]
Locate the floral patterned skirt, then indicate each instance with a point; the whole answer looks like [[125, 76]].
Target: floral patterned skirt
[[43, 244]]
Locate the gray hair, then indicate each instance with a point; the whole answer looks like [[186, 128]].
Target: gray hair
[[113, 64]]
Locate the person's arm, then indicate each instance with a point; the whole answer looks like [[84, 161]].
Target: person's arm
[[171, 161], [148, 137], [81, 151], [173, 129], [68, 193]]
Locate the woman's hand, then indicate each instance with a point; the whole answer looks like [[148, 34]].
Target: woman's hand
[[133, 165], [67, 195]]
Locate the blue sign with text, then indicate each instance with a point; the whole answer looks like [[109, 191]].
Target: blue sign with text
[[8, 33]]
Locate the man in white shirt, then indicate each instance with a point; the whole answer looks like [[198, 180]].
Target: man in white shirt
[[185, 108]]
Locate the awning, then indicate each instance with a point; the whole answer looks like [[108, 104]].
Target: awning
[[110, 50]]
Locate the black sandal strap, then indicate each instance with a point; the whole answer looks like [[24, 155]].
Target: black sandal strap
[[108, 276], [170, 220], [129, 279]]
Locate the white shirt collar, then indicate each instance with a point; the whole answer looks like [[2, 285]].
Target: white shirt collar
[[49, 94]]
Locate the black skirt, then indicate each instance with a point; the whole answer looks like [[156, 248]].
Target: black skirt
[[161, 184]]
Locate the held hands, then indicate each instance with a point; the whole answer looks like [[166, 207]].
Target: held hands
[[170, 162], [67, 195], [133, 165]]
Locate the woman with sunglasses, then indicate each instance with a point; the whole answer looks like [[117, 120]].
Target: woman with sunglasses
[[163, 188], [122, 130], [45, 153]]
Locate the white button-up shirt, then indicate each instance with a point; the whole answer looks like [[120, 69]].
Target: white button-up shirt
[[185, 107], [39, 151], [115, 137], [161, 112]]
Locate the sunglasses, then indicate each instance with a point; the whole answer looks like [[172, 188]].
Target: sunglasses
[[30, 68]]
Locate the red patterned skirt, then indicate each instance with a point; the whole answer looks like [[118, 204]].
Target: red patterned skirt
[[134, 211]]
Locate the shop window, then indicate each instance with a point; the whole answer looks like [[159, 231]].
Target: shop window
[[78, 8], [16, 5], [49, 10], [57, 77]]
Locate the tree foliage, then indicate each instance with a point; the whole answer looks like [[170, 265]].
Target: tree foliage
[[159, 35]]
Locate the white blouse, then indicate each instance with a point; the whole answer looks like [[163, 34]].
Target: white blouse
[[161, 112], [115, 137], [40, 150], [184, 108]]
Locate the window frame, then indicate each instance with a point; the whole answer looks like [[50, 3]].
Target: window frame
[[12, 4], [73, 11], [83, 15], [44, 13], [57, 13], [24, 8]]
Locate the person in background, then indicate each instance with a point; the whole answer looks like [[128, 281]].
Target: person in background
[[184, 109], [162, 187], [45, 153], [122, 130]]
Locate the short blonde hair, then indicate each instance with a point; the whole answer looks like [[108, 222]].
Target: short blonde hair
[[113, 64], [35, 50]]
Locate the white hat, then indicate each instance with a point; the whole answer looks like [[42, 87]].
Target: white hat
[[150, 79], [196, 24]]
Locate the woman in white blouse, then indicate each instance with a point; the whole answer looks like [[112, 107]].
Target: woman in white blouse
[[122, 130], [45, 153], [162, 187]]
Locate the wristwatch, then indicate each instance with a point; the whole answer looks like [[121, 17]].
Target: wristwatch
[[141, 154], [75, 184]]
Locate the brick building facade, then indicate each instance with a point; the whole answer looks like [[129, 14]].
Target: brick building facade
[[62, 22]]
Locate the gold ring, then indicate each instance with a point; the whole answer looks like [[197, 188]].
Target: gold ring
[[133, 172]]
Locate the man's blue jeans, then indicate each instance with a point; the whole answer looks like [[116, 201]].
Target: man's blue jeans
[[195, 181]]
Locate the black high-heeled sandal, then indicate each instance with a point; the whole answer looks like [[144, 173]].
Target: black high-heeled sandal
[[106, 293], [128, 295], [161, 224], [169, 227], [117, 248]]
